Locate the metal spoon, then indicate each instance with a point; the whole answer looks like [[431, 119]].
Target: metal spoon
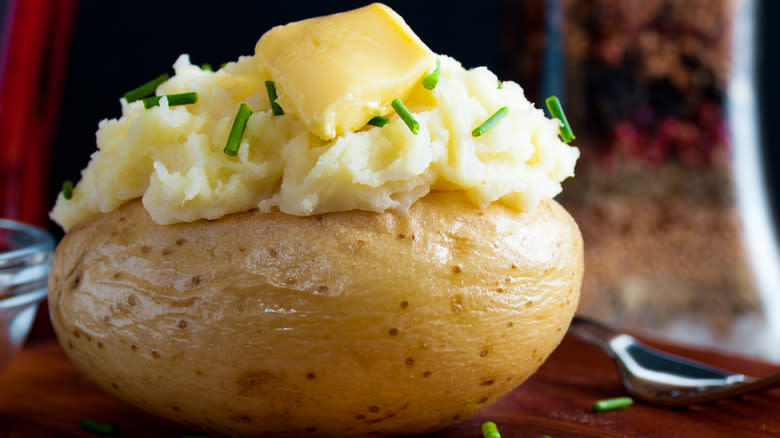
[[661, 378]]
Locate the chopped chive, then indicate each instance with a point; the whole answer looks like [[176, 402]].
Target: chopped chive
[[430, 81], [206, 67], [490, 430], [545, 436], [173, 99], [270, 87], [221, 66], [500, 83], [378, 120], [237, 130], [554, 105], [405, 115], [98, 427], [492, 120], [612, 404], [146, 89], [67, 189]]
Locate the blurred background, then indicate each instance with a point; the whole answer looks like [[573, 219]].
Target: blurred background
[[645, 84]]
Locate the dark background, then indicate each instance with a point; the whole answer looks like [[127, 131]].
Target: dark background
[[118, 45]]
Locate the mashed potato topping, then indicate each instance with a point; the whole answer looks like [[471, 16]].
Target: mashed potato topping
[[172, 157]]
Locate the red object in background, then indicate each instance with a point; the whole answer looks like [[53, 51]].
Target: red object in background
[[34, 40]]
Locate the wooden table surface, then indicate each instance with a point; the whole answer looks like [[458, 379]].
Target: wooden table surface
[[42, 395]]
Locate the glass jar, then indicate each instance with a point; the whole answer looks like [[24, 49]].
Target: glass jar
[[659, 192]]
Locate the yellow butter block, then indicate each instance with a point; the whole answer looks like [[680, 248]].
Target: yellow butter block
[[337, 71]]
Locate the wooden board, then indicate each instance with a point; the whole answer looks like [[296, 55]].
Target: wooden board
[[42, 395]]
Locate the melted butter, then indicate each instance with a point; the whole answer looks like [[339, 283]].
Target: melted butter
[[336, 72]]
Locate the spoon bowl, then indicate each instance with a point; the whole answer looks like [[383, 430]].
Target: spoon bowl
[[663, 379]]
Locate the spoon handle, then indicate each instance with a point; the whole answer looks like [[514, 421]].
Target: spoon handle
[[593, 332], [713, 393]]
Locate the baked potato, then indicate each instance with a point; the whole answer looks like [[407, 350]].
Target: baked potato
[[341, 324]]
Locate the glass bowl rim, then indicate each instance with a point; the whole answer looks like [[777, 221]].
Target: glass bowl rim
[[42, 242]]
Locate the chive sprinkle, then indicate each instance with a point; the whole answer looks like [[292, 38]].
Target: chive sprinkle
[[173, 99], [405, 115], [612, 404], [378, 120], [490, 430], [237, 130], [500, 83], [492, 120], [206, 67], [67, 189], [221, 66], [146, 89], [98, 427], [270, 87], [430, 81], [554, 105]]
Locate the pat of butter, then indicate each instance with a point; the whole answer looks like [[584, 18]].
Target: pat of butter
[[336, 72]]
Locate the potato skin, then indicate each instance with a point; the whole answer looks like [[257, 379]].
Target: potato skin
[[342, 324]]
